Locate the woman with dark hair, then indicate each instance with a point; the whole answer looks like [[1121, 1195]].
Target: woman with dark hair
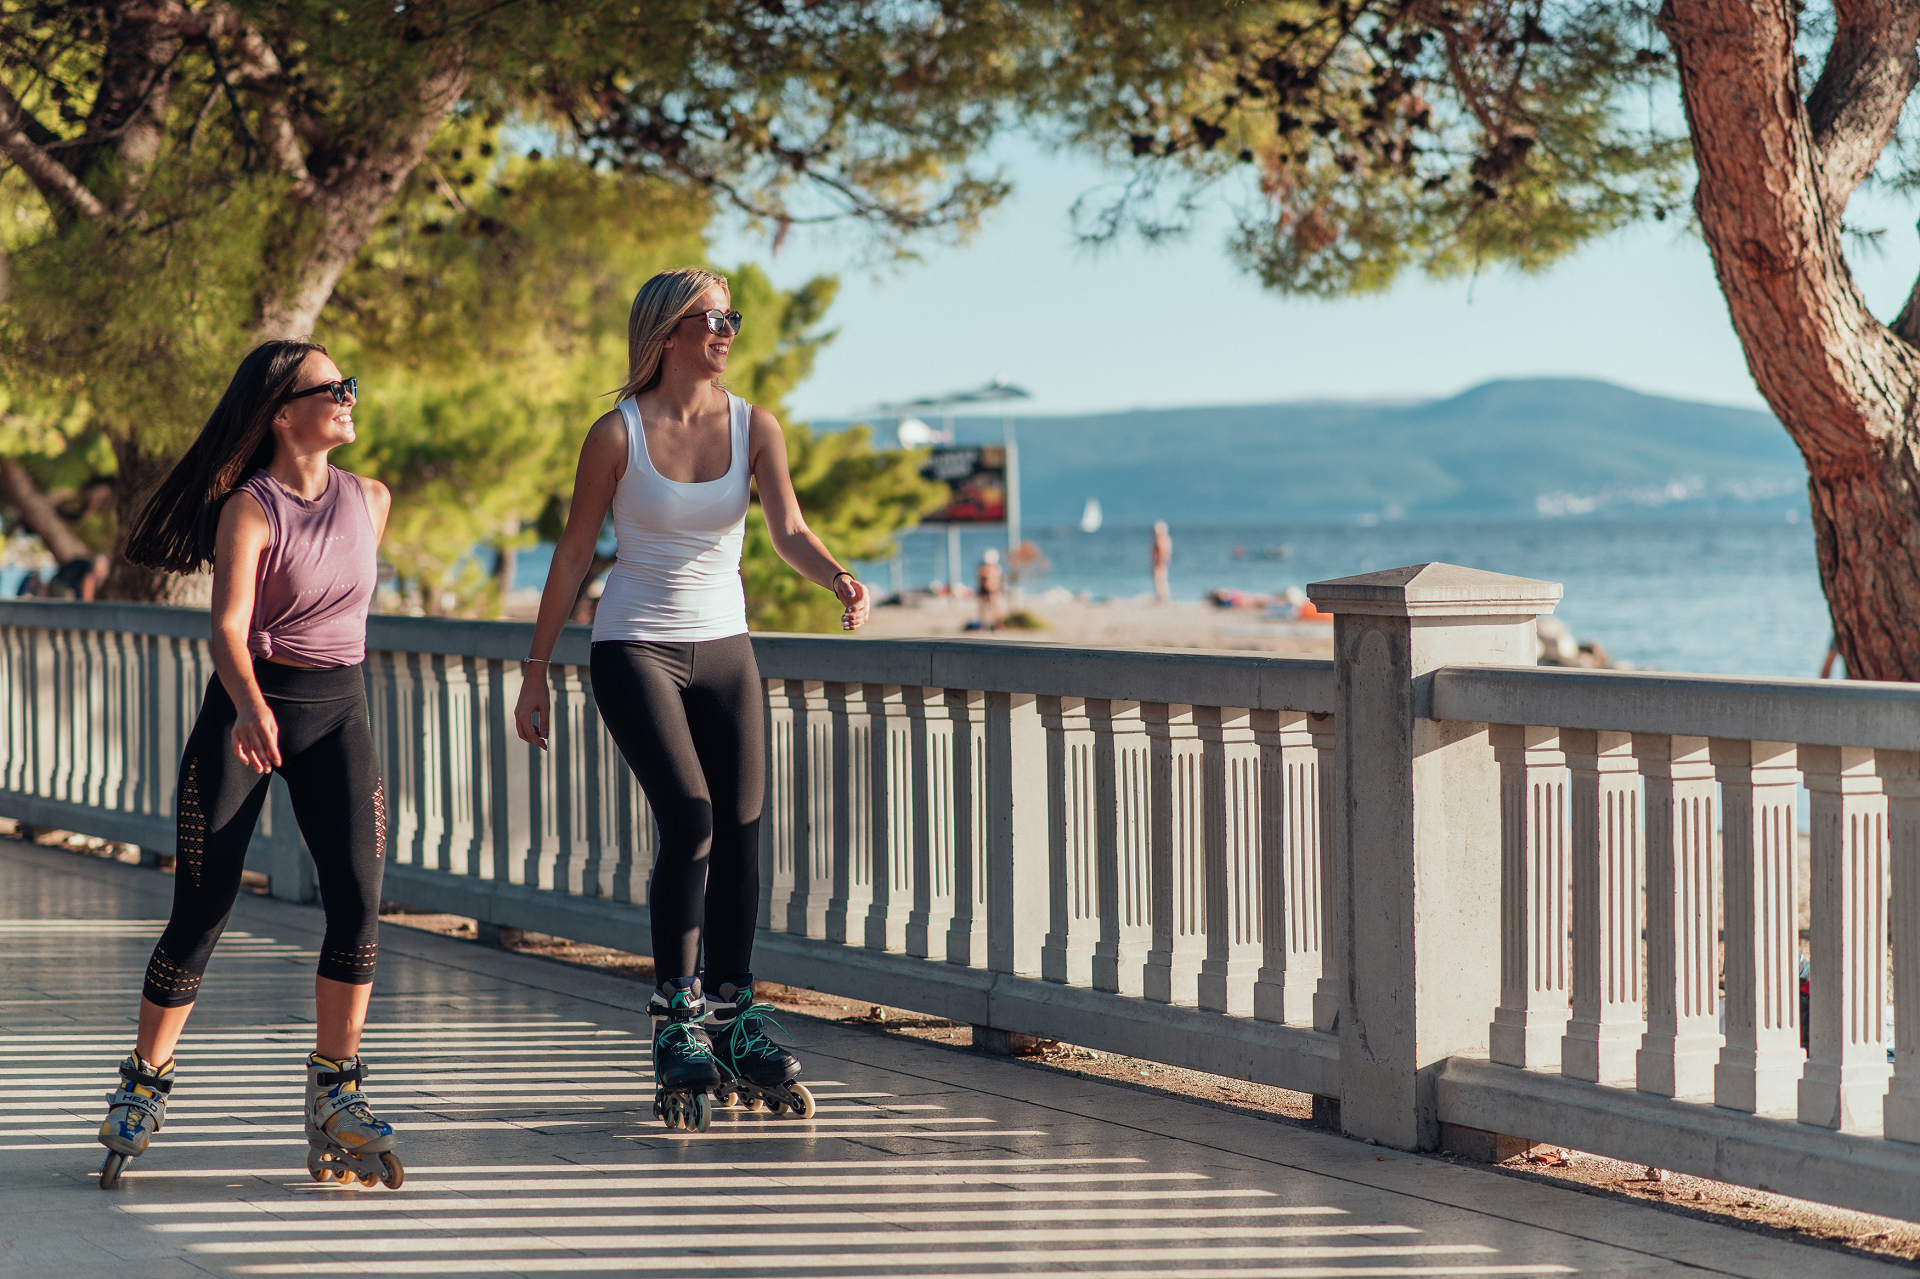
[[674, 675], [292, 542]]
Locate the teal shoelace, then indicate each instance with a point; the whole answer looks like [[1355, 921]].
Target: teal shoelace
[[745, 1036]]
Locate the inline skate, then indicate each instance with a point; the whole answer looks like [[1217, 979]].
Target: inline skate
[[684, 1071], [759, 1072], [344, 1140], [136, 1110]]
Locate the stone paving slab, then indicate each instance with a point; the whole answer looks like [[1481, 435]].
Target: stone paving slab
[[522, 1090]]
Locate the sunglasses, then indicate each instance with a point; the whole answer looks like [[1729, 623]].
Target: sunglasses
[[719, 322], [340, 391]]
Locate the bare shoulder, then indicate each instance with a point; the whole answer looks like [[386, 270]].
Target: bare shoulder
[[763, 432], [243, 510], [606, 442], [379, 496]]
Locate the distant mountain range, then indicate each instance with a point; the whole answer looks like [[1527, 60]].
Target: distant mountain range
[[1542, 447]]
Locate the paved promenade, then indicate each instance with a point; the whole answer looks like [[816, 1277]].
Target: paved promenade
[[523, 1093]]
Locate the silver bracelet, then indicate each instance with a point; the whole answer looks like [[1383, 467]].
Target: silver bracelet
[[543, 661]]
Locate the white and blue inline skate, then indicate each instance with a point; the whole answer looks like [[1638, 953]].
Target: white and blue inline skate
[[136, 1110], [345, 1141]]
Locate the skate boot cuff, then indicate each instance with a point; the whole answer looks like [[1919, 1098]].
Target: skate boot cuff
[[342, 1072], [136, 1073]]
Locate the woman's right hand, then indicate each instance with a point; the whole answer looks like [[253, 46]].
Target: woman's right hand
[[256, 738], [533, 712]]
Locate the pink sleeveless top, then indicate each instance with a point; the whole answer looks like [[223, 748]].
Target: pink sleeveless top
[[317, 574]]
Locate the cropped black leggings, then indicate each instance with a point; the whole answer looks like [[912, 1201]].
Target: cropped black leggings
[[326, 752], [690, 719]]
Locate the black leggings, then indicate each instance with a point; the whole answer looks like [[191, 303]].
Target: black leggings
[[326, 753], [691, 721]]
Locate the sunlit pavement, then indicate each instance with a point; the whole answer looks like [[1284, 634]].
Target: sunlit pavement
[[524, 1096]]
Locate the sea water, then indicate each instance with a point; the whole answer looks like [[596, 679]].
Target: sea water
[[1731, 596]]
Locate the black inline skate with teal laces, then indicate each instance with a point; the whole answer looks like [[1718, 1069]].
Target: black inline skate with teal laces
[[759, 1072], [685, 1073]]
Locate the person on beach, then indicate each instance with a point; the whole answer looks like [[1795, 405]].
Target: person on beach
[[673, 669], [989, 587], [292, 541], [1162, 555]]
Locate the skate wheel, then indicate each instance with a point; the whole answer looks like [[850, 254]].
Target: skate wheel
[[728, 1098], [671, 1111], [110, 1170], [756, 1103], [773, 1106], [702, 1112], [802, 1101], [395, 1171]]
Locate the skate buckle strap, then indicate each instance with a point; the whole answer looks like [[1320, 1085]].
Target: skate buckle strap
[[334, 1078], [135, 1077], [151, 1107]]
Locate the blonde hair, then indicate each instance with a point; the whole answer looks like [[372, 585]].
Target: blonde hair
[[661, 304]]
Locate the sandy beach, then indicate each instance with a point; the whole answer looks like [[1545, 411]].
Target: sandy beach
[[1118, 624]]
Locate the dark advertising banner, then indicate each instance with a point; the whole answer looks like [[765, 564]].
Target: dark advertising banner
[[976, 476]]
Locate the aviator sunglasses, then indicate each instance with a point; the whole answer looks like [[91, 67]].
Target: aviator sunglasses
[[721, 323], [338, 390]]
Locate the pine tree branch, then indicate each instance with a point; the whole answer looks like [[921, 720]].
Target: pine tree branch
[[1855, 106], [51, 178]]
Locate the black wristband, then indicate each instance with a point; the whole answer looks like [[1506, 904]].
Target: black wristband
[[837, 576]]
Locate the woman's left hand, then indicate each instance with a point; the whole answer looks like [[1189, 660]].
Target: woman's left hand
[[856, 602]]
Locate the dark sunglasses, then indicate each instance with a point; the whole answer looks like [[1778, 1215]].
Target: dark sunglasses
[[719, 322], [340, 391]]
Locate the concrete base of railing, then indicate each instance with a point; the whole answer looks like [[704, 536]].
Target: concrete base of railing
[[1239, 1047], [1862, 1171]]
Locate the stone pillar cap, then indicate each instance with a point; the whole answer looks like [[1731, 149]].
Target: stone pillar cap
[[1436, 590]]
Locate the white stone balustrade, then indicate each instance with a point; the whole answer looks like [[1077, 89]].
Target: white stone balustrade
[[1424, 880]]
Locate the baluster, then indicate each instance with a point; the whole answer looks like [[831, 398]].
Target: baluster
[[1900, 777], [90, 703], [13, 707], [852, 811], [1532, 1016], [813, 824], [930, 730], [1682, 1043], [1123, 767], [890, 809], [1178, 856], [1845, 1083], [595, 789], [777, 818], [527, 772], [967, 934], [458, 833], [1016, 844], [560, 868], [117, 737], [60, 715], [1760, 1065], [1231, 812], [409, 812], [1604, 1032], [1290, 869], [502, 744], [1066, 954]]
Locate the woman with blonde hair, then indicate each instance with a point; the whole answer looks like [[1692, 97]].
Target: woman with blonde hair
[[674, 674]]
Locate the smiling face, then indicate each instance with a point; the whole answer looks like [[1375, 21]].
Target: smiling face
[[315, 421], [693, 346]]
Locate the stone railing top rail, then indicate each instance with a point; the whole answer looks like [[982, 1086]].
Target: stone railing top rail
[[1808, 712], [1183, 676]]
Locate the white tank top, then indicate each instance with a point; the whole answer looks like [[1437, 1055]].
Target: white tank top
[[677, 576]]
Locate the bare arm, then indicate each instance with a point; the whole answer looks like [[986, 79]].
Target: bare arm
[[242, 537], [603, 460], [792, 539]]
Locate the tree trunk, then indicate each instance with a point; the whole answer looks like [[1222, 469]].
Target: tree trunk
[[36, 511], [140, 473], [1845, 387]]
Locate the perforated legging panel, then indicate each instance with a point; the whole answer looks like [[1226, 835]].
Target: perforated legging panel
[[333, 776]]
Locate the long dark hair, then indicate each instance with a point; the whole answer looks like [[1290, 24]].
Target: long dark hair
[[175, 530]]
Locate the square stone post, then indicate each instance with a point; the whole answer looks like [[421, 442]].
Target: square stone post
[[1760, 1064], [1419, 803]]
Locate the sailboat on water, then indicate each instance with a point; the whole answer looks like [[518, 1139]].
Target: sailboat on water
[[1090, 518]]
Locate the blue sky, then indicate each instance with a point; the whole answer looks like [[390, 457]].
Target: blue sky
[[1144, 327]]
